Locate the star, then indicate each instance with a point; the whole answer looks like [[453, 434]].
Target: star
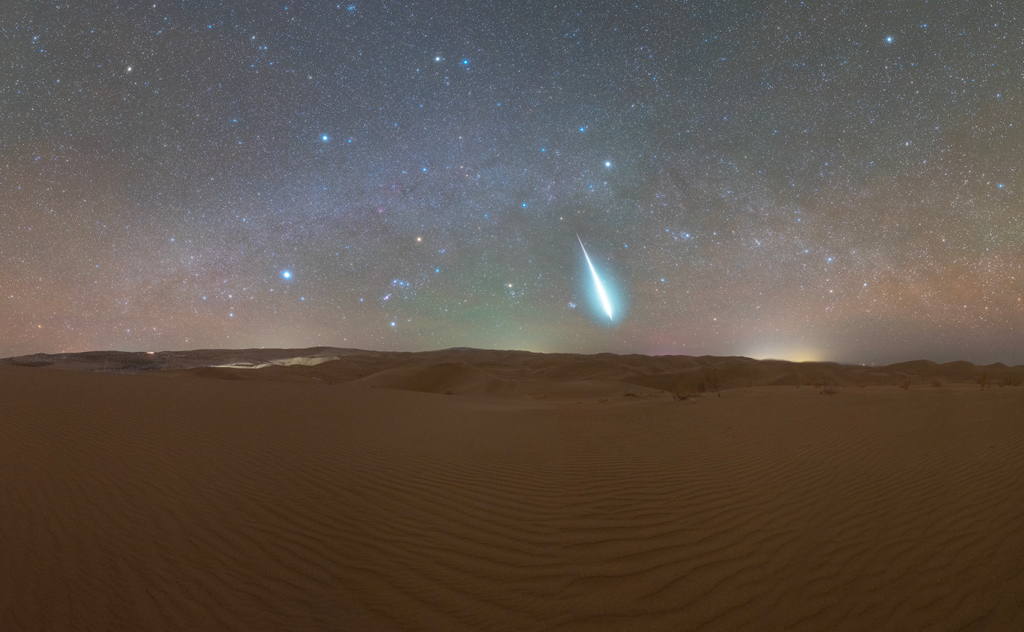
[[713, 192]]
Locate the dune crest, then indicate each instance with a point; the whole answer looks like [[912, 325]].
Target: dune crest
[[480, 372]]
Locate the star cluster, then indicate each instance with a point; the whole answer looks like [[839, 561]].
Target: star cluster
[[833, 180]]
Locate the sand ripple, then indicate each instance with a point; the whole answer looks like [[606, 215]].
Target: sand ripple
[[178, 503]]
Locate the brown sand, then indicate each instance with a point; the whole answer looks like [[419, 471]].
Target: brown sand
[[548, 493]]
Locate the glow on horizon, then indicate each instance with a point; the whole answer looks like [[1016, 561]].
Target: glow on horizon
[[607, 304], [790, 354]]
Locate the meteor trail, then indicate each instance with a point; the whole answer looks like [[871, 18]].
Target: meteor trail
[[597, 282]]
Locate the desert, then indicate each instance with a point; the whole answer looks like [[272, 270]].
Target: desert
[[464, 489], [512, 316]]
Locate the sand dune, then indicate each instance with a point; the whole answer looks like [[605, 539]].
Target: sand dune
[[354, 494], [399, 370]]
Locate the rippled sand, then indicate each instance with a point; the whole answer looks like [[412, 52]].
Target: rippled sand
[[168, 501]]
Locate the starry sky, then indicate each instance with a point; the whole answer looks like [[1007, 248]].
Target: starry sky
[[800, 180]]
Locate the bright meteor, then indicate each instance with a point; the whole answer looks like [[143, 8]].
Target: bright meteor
[[597, 282]]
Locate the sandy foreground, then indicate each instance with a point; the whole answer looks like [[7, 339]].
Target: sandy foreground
[[318, 496]]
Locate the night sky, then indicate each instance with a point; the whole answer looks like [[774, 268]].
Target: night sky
[[799, 180]]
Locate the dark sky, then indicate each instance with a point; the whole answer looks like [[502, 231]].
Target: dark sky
[[805, 180]]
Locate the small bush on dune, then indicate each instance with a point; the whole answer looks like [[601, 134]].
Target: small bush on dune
[[905, 383]]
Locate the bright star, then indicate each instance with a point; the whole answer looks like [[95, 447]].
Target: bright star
[[286, 274], [607, 163], [325, 138]]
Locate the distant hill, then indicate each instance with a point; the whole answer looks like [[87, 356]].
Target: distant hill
[[465, 371]]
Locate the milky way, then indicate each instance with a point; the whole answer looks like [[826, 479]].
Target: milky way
[[801, 180]]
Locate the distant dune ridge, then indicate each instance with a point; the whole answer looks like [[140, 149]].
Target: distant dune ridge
[[488, 372], [464, 489]]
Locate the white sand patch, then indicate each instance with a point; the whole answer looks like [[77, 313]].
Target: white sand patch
[[302, 361]]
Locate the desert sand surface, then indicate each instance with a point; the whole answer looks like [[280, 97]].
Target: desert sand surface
[[338, 489]]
